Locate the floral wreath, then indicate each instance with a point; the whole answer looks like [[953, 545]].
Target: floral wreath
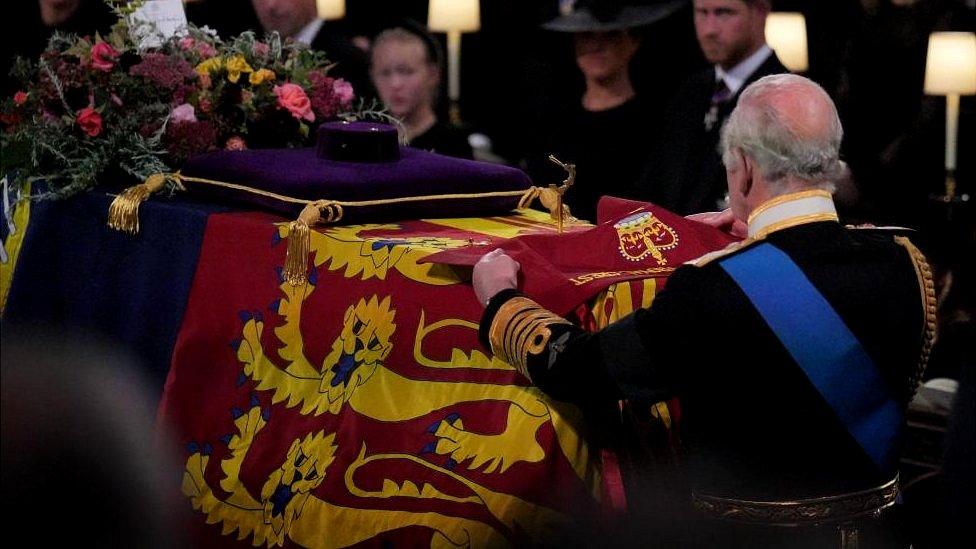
[[97, 108]]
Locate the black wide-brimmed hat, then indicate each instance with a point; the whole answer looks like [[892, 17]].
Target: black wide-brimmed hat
[[610, 15]]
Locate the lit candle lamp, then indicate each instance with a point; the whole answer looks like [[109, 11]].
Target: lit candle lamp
[[786, 34], [453, 17], [950, 70], [331, 9]]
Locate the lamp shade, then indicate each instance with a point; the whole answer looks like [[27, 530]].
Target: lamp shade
[[786, 33], [950, 67], [331, 9], [453, 15]]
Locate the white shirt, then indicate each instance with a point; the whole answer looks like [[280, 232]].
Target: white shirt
[[310, 31], [735, 77]]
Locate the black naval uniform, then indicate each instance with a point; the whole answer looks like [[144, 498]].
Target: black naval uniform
[[753, 427]]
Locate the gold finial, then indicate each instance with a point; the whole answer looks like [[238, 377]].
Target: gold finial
[[562, 210]]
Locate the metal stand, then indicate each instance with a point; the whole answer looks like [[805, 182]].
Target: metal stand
[[849, 536]]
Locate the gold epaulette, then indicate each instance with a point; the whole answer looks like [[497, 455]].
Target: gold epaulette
[[927, 287], [520, 328], [718, 254]]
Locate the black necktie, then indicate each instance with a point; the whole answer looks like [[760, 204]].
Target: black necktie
[[720, 96]]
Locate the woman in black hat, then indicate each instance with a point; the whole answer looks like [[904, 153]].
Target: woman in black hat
[[607, 131]]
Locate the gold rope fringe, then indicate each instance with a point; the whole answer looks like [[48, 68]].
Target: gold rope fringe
[[123, 214], [930, 305]]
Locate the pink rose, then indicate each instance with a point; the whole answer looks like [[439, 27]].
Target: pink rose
[[292, 98], [20, 98], [343, 91], [260, 49], [191, 44], [103, 57], [205, 50], [183, 113], [89, 121]]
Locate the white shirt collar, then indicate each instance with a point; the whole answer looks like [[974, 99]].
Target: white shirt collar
[[790, 210], [309, 32], [736, 77]]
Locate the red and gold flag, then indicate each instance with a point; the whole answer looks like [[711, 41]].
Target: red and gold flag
[[359, 408]]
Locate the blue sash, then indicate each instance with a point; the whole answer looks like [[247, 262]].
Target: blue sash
[[822, 345]]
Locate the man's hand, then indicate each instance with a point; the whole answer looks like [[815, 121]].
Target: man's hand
[[724, 220], [493, 273]]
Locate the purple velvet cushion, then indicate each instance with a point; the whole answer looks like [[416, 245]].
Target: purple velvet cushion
[[299, 173]]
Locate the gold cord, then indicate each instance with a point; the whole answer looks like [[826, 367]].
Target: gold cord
[[124, 211], [123, 214]]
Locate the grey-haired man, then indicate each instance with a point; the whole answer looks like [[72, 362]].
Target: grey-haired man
[[794, 353]]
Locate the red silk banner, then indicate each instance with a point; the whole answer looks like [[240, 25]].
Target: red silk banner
[[637, 240]]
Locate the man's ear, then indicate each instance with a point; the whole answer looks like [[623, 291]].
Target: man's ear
[[739, 174], [748, 172]]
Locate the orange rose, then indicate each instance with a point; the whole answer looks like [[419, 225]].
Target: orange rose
[[235, 143], [293, 98]]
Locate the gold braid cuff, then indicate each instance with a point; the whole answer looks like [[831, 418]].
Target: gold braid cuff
[[812, 511], [930, 307], [521, 328], [124, 211]]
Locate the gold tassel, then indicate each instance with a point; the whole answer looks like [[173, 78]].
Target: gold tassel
[[299, 243], [123, 214]]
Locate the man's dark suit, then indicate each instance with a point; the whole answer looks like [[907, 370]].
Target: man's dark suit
[[352, 63], [684, 173]]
